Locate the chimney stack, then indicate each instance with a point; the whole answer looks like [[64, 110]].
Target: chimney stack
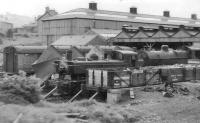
[[47, 8], [165, 48], [194, 16], [133, 10], [181, 27], [124, 27], [93, 5], [141, 28], [166, 13]]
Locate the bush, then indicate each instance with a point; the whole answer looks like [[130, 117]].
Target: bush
[[19, 90]]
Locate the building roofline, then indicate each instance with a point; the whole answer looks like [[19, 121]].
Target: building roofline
[[48, 12], [129, 14], [135, 21], [138, 18]]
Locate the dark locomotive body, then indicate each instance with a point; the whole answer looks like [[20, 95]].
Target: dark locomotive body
[[122, 58], [21, 57], [73, 74], [78, 69], [154, 58], [165, 56]]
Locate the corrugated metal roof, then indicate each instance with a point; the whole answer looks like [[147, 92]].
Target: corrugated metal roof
[[125, 35], [182, 33], [150, 33], [63, 48], [49, 54], [141, 34], [74, 40], [123, 16], [160, 34], [106, 33], [197, 35], [171, 39], [193, 32]]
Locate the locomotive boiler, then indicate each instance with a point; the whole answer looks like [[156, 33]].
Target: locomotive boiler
[[163, 57]]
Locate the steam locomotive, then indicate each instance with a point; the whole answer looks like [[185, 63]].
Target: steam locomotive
[[21, 57], [122, 58]]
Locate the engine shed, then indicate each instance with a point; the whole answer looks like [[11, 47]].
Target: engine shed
[[154, 38]]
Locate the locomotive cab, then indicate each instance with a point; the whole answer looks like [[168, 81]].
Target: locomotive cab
[[128, 57]]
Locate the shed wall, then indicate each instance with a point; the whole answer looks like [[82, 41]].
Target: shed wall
[[54, 29]]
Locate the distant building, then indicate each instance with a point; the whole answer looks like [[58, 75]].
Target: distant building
[[48, 13], [33, 29], [79, 21], [27, 30], [4, 27]]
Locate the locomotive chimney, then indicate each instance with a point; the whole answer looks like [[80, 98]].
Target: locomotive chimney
[[166, 13], [165, 48], [141, 28], [47, 9], [181, 27], [133, 10], [69, 55], [161, 28], [93, 5], [194, 16]]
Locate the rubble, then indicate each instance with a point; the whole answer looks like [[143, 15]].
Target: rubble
[[184, 91], [168, 94]]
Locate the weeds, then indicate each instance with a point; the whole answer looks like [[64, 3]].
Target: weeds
[[19, 90]]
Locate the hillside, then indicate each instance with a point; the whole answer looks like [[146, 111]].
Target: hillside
[[17, 20]]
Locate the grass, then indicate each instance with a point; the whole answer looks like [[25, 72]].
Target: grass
[[154, 108], [45, 112], [19, 90], [21, 95]]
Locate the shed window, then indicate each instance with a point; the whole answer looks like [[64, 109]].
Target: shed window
[[197, 54], [105, 56]]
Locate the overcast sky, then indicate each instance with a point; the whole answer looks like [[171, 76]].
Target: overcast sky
[[178, 8]]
